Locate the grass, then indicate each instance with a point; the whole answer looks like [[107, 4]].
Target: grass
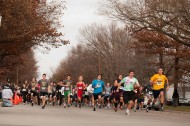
[[180, 108]]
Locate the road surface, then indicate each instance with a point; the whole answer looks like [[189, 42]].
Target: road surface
[[25, 115]]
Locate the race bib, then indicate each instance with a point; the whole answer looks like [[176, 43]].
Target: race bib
[[43, 88], [150, 92], [159, 82], [80, 88], [107, 92], [23, 89], [67, 88]]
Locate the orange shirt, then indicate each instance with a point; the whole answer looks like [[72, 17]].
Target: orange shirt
[[158, 81]]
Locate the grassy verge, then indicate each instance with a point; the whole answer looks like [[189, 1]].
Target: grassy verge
[[180, 108]]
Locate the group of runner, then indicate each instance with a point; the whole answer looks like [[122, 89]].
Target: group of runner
[[125, 92]]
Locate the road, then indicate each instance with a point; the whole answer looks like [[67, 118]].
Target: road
[[25, 115]]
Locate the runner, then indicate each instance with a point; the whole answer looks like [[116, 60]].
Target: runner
[[149, 94], [140, 99], [107, 95], [98, 86], [24, 91], [117, 93], [90, 91], [62, 93], [86, 96], [43, 89], [80, 86], [33, 86], [54, 93], [128, 84], [50, 90], [58, 92], [136, 96], [158, 83], [68, 88]]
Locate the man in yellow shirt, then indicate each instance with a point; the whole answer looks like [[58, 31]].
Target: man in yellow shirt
[[158, 82]]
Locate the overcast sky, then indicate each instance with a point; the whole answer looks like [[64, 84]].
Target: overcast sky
[[78, 14]]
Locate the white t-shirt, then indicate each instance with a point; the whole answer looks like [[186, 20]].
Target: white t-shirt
[[90, 89]]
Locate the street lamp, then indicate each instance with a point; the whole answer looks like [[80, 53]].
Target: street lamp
[[0, 20]]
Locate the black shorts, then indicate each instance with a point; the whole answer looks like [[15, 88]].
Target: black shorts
[[140, 100], [156, 93], [49, 94], [86, 97], [97, 95], [53, 94], [34, 93], [116, 96], [106, 98], [128, 96], [75, 96], [43, 94]]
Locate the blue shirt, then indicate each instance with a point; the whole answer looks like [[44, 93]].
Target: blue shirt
[[98, 86]]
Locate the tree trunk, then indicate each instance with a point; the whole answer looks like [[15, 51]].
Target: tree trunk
[[176, 81]]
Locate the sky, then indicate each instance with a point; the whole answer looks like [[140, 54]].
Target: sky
[[78, 14]]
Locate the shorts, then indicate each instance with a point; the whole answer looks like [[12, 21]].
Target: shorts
[[128, 96], [49, 95], [34, 93], [116, 96], [106, 98], [43, 94], [140, 100], [79, 94], [53, 94], [97, 95], [67, 93], [86, 97], [156, 93]]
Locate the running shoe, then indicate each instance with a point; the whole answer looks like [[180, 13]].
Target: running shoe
[[94, 109], [162, 108], [127, 112], [147, 108]]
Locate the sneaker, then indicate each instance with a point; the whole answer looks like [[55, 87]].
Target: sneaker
[[162, 108], [115, 109], [127, 112], [134, 110], [109, 106], [53, 103], [147, 108], [43, 107], [68, 105], [64, 105], [121, 107], [99, 106], [32, 104], [94, 109]]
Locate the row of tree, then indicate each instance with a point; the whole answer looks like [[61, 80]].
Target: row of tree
[[25, 26], [156, 34]]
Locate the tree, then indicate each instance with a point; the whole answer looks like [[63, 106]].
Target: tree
[[27, 25], [106, 49], [25, 70], [168, 17]]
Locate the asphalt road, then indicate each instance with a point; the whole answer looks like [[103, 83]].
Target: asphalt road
[[25, 115]]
